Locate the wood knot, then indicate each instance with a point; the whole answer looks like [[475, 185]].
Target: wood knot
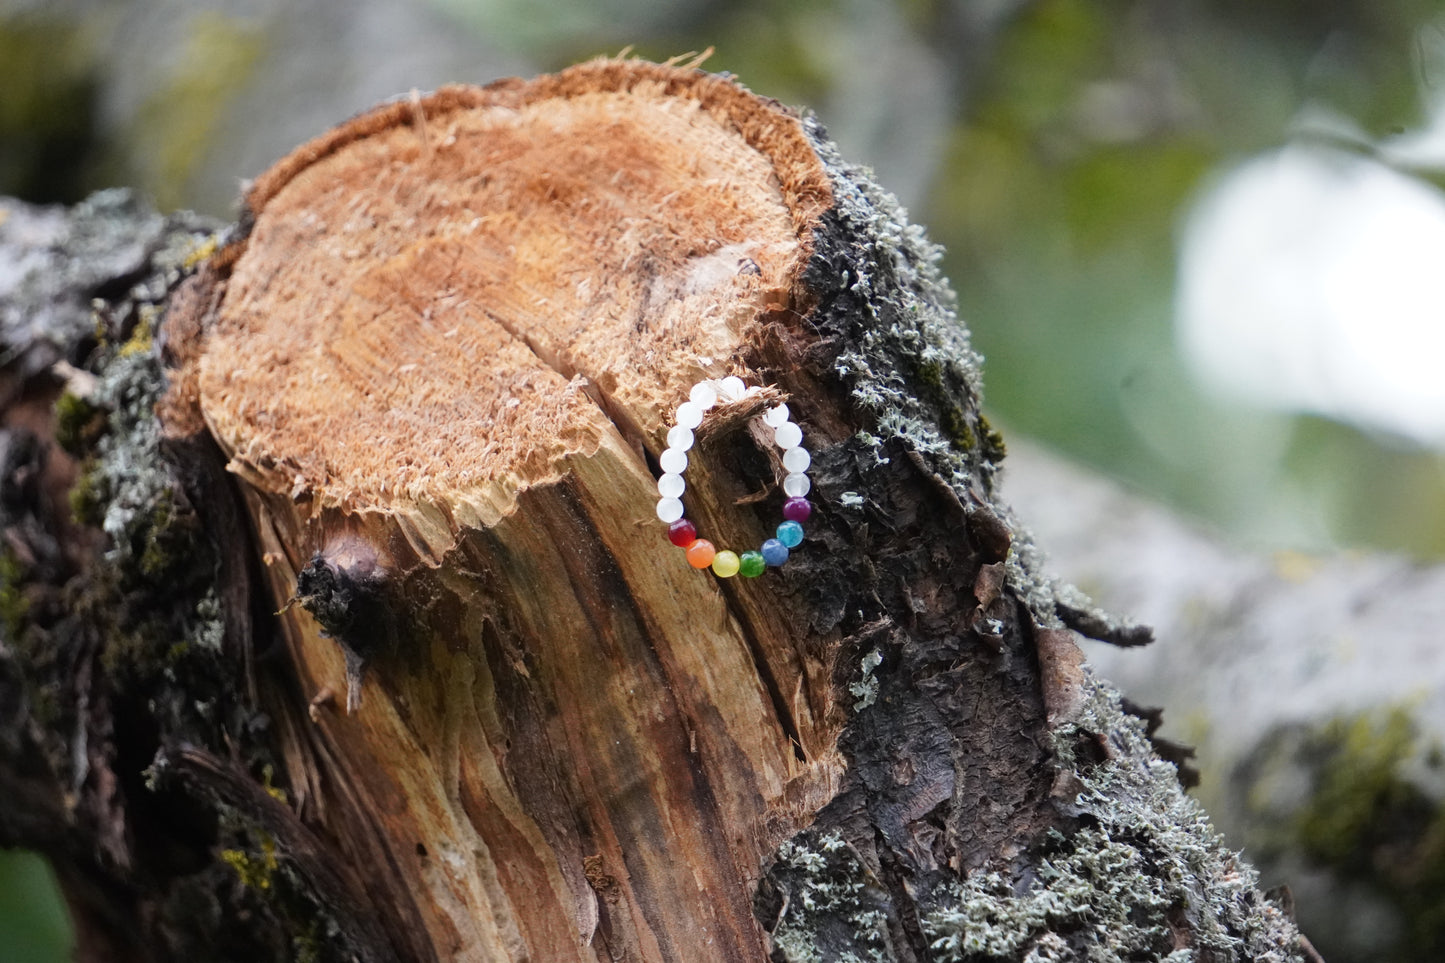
[[344, 588]]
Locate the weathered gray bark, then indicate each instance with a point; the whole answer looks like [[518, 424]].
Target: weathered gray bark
[[997, 802]]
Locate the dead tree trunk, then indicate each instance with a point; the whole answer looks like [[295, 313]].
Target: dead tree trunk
[[420, 677]]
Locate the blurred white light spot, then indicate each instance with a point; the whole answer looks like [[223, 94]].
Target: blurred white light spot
[[1314, 280]]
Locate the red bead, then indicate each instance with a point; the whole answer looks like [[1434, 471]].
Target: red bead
[[797, 509], [682, 533]]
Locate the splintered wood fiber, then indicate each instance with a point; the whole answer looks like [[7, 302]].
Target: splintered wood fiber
[[459, 294]]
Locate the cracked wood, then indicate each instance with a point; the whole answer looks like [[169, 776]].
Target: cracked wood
[[454, 332]]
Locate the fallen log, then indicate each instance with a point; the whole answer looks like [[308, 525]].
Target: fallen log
[[450, 693]]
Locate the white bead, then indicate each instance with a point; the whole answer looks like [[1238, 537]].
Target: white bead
[[788, 435], [679, 437], [774, 417], [689, 415], [671, 486], [703, 394], [797, 485], [797, 459], [733, 387], [669, 509], [674, 460]]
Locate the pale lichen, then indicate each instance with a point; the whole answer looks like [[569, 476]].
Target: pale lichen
[[832, 911], [1095, 884], [907, 359], [170, 624], [1135, 871], [865, 690], [1145, 877]]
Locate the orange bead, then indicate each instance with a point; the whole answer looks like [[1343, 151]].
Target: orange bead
[[700, 553]]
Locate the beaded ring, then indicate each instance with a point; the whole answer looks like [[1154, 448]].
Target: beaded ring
[[701, 553]]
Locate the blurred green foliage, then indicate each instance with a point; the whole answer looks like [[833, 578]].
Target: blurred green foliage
[[48, 133], [1365, 815], [1066, 181], [33, 927]]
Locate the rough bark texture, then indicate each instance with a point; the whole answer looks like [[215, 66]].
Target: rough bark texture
[[1312, 687], [438, 357]]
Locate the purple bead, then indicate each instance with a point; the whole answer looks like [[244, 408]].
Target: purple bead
[[797, 509]]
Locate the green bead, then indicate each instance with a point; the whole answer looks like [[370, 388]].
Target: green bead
[[751, 564]]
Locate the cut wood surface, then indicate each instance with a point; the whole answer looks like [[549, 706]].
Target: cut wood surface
[[450, 345], [443, 688]]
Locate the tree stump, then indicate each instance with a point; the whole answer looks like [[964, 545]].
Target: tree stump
[[495, 715]]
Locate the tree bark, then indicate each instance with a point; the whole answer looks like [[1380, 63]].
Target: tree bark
[[385, 652]]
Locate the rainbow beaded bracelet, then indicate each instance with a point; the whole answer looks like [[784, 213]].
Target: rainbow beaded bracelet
[[788, 436]]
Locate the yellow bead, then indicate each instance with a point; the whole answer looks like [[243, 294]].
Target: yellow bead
[[725, 564]]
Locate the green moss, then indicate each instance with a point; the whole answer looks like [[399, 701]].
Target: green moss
[[47, 105], [151, 537], [306, 948], [14, 606], [168, 542], [150, 598], [1368, 819], [952, 418], [88, 497], [1358, 781], [993, 441], [144, 606], [78, 423]]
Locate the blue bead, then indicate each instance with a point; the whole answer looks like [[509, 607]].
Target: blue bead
[[790, 534], [775, 553]]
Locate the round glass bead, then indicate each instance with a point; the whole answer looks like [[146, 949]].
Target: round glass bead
[[797, 459], [703, 394], [680, 438], [751, 564], [689, 415], [673, 460], [671, 485], [682, 533], [774, 552], [700, 553], [788, 435]]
